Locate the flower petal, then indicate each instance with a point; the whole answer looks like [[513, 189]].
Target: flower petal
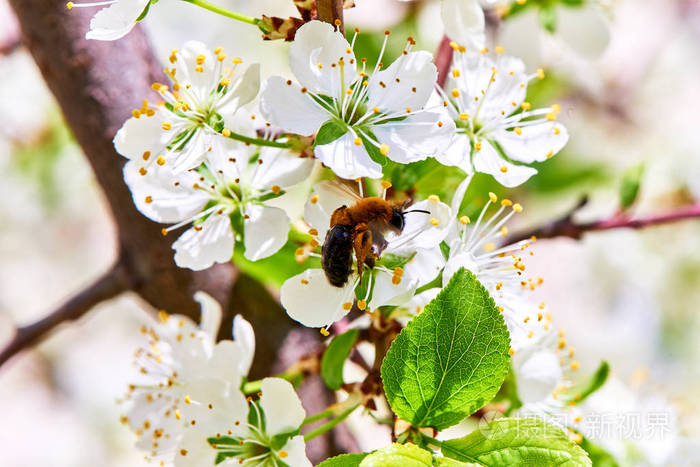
[[285, 106], [457, 154], [584, 29], [534, 143], [281, 167], [314, 57], [425, 265], [224, 363], [295, 451], [212, 243], [211, 314], [281, 405], [228, 406], [464, 22], [538, 373], [143, 135], [347, 159], [422, 230], [266, 230], [156, 196], [244, 336], [242, 91], [415, 138], [116, 20], [310, 299], [194, 449], [386, 292], [407, 83], [196, 68], [487, 160]]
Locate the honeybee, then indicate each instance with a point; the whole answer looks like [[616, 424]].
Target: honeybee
[[360, 228]]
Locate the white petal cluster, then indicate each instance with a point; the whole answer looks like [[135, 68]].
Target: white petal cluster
[[116, 19], [409, 261], [498, 132], [189, 395], [376, 115], [183, 169]]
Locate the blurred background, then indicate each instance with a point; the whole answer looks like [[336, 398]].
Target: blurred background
[[627, 74]]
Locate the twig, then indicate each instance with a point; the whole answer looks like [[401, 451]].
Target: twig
[[443, 60], [330, 11], [111, 284], [566, 227]]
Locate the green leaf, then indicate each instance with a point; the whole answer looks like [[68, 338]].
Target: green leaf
[[599, 456], [344, 460], [517, 441], [629, 188], [334, 357], [374, 152], [548, 18], [451, 359], [329, 132], [447, 462], [399, 455], [597, 381]]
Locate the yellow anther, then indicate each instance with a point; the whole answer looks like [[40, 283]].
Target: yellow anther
[[149, 199], [283, 454], [221, 57], [143, 171], [225, 82], [69, 5], [504, 169], [499, 285], [300, 252], [526, 105], [237, 60], [347, 306], [551, 116], [578, 418], [199, 69], [493, 197], [324, 332], [556, 130], [164, 231], [160, 160], [313, 232], [556, 108], [455, 93], [187, 399], [434, 198], [511, 351], [226, 132], [456, 72], [540, 73], [218, 50], [275, 189], [348, 91], [561, 344], [384, 149], [485, 50], [304, 281], [434, 221], [314, 199], [549, 154], [396, 280], [490, 246], [337, 22], [136, 113], [166, 126], [375, 110], [517, 207], [465, 220], [518, 131], [574, 365], [530, 334], [464, 117], [499, 49], [504, 231], [362, 305], [506, 202], [500, 309], [358, 141], [313, 243], [386, 184], [477, 146], [200, 59]]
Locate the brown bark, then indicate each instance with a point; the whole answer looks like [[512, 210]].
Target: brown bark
[[330, 11]]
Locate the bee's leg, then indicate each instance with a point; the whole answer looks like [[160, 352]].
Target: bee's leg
[[362, 243]]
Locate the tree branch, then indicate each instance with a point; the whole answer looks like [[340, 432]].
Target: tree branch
[[443, 60], [566, 227], [112, 283], [330, 11]]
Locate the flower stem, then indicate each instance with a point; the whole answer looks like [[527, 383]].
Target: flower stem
[[319, 416], [257, 141], [224, 12], [252, 387], [330, 425]]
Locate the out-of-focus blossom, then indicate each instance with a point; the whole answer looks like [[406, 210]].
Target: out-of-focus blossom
[[116, 19]]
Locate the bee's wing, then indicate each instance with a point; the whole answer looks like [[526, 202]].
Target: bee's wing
[[329, 196]]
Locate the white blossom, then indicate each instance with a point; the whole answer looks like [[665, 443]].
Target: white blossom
[[464, 22], [227, 429], [207, 91], [498, 132], [360, 118], [225, 200], [116, 20], [410, 260], [180, 352]]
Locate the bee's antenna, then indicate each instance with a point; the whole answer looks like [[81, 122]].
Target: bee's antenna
[[417, 210]]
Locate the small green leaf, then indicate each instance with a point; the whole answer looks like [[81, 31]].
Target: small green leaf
[[216, 122], [597, 381], [599, 456], [548, 18], [517, 441], [451, 359], [447, 462], [629, 188], [334, 357], [374, 152], [344, 460], [329, 132], [399, 455]]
